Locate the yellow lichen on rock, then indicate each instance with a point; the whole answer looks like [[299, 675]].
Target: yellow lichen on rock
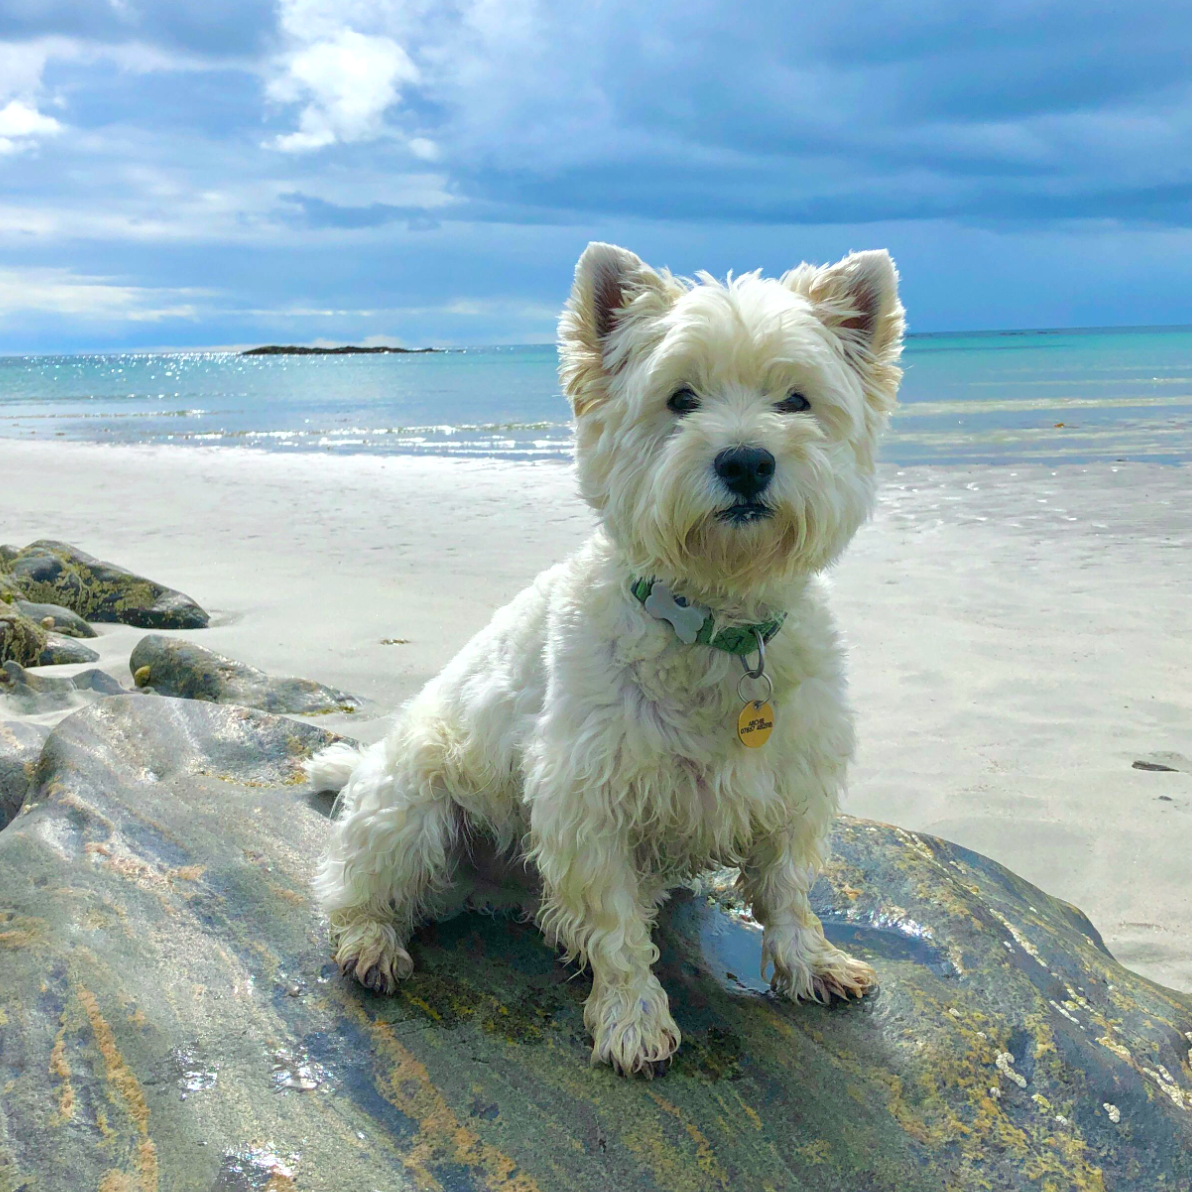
[[124, 1086], [61, 1069]]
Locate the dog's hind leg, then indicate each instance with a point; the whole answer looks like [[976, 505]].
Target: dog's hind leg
[[391, 849], [777, 880], [331, 768]]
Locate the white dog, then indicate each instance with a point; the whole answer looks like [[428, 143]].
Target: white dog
[[603, 725]]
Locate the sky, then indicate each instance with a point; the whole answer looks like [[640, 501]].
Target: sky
[[230, 172]]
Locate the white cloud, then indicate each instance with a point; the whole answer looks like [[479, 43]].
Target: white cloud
[[22, 87], [346, 83], [143, 195], [19, 119], [62, 292], [21, 124], [423, 149]]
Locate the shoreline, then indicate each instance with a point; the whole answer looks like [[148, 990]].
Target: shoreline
[[1018, 633], [558, 451]]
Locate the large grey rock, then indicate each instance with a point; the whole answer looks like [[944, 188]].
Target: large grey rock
[[171, 1020], [27, 693], [61, 620], [20, 747], [56, 573], [171, 666]]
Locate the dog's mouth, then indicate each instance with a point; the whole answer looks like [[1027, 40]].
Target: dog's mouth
[[745, 512]]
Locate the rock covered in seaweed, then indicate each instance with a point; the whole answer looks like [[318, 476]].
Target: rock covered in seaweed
[[20, 747], [57, 573], [171, 666], [21, 640], [171, 1019], [9, 591], [61, 620], [28, 643]]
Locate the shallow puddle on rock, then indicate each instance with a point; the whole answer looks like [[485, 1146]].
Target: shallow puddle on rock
[[296, 1072], [253, 1169], [194, 1074]]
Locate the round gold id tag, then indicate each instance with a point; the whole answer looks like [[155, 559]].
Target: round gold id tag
[[756, 723]]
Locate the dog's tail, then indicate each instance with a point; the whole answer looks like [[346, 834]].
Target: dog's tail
[[330, 768]]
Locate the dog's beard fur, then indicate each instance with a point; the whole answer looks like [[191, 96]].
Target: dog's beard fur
[[679, 531]]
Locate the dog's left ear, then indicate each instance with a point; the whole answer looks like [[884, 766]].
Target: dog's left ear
[[858, 299], [612, 287]]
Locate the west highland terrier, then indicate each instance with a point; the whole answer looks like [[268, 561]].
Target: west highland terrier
[[672, 697]]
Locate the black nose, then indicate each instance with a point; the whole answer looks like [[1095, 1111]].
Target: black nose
[[745, 471]]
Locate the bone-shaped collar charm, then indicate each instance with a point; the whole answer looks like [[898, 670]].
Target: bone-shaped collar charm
[[686, 619]]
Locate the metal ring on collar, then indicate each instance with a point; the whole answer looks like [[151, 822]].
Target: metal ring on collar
[[760, 677], [761, 657]]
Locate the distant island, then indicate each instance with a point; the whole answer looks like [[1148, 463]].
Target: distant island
[[348, 350]]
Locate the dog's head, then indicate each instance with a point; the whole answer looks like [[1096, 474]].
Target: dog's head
[[726, 432]]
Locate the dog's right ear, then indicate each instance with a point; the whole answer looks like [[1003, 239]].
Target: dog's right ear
[[613, 288]]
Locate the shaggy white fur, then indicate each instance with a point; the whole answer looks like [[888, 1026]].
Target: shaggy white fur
[[579, 732]]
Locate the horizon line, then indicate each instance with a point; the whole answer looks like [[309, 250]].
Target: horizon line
[[239, 349]]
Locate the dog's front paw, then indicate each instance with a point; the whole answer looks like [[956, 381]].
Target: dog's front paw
[[842, 977], [372, 953], [811, 969], [632, 1030]]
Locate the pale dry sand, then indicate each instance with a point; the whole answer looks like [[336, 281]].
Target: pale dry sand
[[1019, 636]]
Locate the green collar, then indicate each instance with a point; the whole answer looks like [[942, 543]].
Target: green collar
[[693, 623]]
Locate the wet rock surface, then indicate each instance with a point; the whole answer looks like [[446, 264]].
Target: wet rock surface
[[60, 650], [170, 1019], [26, 693], [56, 573], [171, 666], [60, 620], [20, 747]]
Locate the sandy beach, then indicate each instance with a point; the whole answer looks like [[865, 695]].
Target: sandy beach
[[1019, 635]]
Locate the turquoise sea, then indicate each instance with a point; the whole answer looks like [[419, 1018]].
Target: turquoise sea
[[996, 397]]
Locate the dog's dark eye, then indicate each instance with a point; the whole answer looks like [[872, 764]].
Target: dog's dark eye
[[793, 403], [683, 401]]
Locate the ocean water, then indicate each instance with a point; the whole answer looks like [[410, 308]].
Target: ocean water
[[999, 397]]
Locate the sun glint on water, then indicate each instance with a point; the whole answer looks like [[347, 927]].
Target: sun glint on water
[[994, 397]]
